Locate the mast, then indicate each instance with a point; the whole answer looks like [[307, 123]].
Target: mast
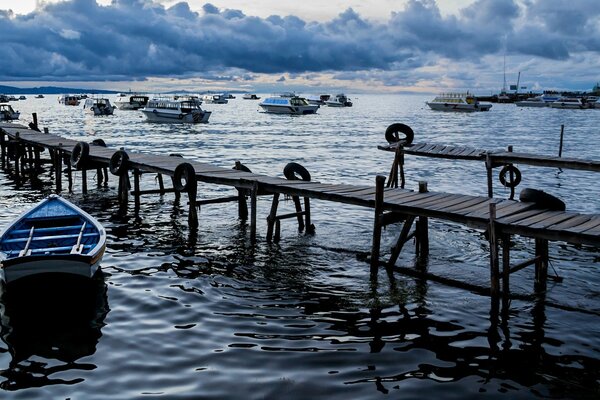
[[504, 84]]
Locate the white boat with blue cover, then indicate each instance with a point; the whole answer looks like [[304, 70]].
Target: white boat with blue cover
[[288, 105], [55, 236]]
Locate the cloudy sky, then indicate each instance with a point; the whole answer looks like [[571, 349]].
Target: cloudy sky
[[262, 45]]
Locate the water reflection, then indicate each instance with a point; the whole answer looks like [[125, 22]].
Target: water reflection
[[50, 318]]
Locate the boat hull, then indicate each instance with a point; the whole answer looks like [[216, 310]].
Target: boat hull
[[189, 118], [459, 107], [292, 110], [536, 104], [568, 106], [85, 266]]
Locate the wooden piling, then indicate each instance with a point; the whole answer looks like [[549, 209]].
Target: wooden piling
[[422, 227], [505, 239], [562, 133], [379, 183], [58, 161], [272, 218], [310, 228], [253, 204], [489, 165], [494, 260], [541, 264], [161, 184], [192, 191], [136, 187]]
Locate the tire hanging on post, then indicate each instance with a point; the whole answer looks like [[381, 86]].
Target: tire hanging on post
[[393, 132], [80, 155], [119, 162], [184, 177]]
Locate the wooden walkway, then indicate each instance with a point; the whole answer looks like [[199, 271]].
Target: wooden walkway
[[501, 218]]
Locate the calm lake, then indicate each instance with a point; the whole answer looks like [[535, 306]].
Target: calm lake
[[180, 314]]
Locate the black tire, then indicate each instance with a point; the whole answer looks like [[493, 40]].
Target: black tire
[[294, 172], [542, 199], [175, 155], [505, 173], [185, 177], [394, 131], [80, 155], [118, 163], [99, 142], [242, 167]]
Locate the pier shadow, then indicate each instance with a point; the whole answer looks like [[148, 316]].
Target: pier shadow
[[50, 317]]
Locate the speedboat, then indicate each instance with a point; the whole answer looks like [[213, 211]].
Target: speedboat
[[215, 99], [318, 99], [250, 96], [133, 102], [169, 110], [39, 96], [68, 100], [98, 106], [339, 100], [572, 103], [55, 236], [537, 101], [288, 105], [7, 113], [457, 102], [22, 98]]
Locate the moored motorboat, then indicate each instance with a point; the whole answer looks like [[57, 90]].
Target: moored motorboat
[[571, 103], [99, 106], [133, 102], [180, 111], [536, 101], [39, 96], [55, 236], [69, 100], [250, 96], [465, 102], [339, 100], [215, 99], [318, 99], [7, 113], [288, 105]]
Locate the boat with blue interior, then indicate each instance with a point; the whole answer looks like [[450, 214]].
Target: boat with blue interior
[[463, 102], [55, 236], [175, 111], [288, 105]]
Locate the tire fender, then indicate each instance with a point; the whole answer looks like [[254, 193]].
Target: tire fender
[[119, 162], [184, 177], [542, 199], [80, 155], [294, 172], [504, 176], [394, 131]]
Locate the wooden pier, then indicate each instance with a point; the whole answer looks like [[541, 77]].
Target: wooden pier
[[23, 147]]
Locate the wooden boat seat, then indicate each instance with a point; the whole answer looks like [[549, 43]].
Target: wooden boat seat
[[64, 249], [49, 237]]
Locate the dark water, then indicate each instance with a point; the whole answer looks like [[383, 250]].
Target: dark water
[[205, 315]]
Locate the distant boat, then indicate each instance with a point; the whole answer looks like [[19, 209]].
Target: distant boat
[[215, 99], [133, 102], [572, 103], [537, 101], [339, 100], [250, 96], [39, 96], [55, 236], [68, 100], [318, 99], [288, 105], [175, 111], [22, 98], [464, 102], [98, 106], [7, 113]]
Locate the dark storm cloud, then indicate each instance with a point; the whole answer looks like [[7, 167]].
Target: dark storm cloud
[[135, 39]]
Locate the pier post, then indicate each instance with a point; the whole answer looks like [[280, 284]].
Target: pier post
[[298, 206], [123, 188], [310, 228], [272, 218], [253, 199], [562, 133], [136, 188], [84, 181], [422, 242], [70, 177], [58, 161], [505, 239], [489, 164], [494, 260], [242, 204], [377, 225], [161, 184], [541, 264], [192, 195]]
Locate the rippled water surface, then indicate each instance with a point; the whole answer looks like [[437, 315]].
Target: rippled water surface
[[205, 315]]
